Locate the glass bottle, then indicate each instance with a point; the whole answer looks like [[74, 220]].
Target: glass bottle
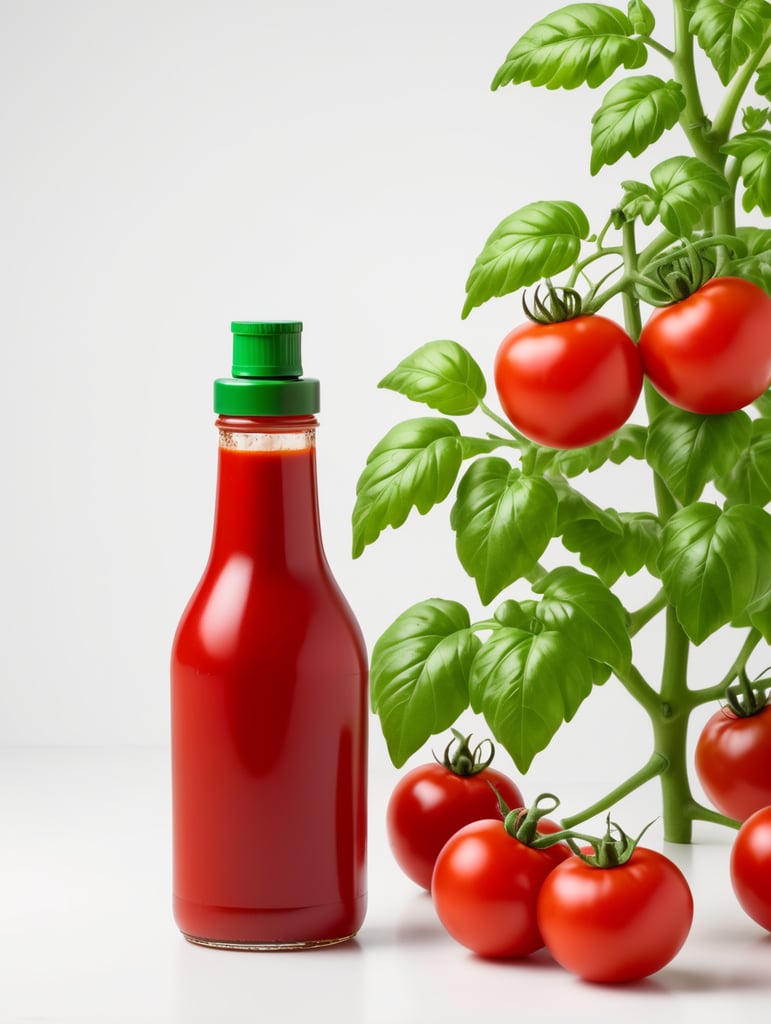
[[268, 684]]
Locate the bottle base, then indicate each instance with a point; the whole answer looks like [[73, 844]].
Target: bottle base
[[253, 929], [267, 947]]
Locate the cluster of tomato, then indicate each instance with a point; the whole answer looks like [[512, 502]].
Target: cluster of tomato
[[505, 885], [733, 762], [574, 382]]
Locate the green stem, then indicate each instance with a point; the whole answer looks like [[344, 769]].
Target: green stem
[[654, 44], [655, 765], [643, 615], [693, 119], [632, 316], [670, 730], [635, 684], [724, 119], [717, 692], [504, 424]]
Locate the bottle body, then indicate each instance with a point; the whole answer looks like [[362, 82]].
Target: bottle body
[[269, 713]]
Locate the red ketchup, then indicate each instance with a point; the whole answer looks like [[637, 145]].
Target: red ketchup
[[268, 685]]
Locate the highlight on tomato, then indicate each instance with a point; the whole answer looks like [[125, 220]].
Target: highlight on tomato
[[733, 752], [750, 867], [567, 379], [617, 915], [711, 351], [488, 876], [432, 801]]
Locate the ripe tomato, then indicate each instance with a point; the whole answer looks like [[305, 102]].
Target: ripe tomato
[[617, 923], [431, 802], [485, 888], [751, 867], [570, 383], [733, 761], [711, 352]]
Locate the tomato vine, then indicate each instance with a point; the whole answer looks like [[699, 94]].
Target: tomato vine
[[529, 665]]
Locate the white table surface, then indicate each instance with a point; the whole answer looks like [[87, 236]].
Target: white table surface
[[86, 932]]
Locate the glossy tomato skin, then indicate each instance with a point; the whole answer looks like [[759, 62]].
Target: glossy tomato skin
[[750, 867], [485, 889], [733, 761], [568, 384], [711, 353], [430, 803], [616, 924]]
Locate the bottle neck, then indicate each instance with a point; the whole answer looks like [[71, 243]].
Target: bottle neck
[[267, 499]]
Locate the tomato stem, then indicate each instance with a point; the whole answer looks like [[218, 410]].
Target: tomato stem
[[653, 767]]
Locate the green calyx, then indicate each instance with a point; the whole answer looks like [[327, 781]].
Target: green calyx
[[522, 822], [464, 761], [677, 275], [610, 850], [557, 305], [747, 698]]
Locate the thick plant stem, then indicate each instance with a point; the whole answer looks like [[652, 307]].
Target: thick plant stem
[[670, 732]]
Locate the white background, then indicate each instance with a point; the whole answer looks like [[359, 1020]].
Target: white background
[[168, 167]]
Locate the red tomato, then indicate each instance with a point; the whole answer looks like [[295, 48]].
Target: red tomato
[[751, 867], [430, 803], [570, 383], [617, 923], [711, 352], [485, 888], [733, 761]]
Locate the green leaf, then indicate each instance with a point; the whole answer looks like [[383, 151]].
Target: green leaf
[[752, 150], [633, 115], [626, 443], [526, 685], [639, 200], [688, 450], [715, 565], [748, 482], [683, 188], [632, 544], [763, 404], [536, 241], [729, 31], [582, 608], [763, 81], [754, 118], [420, 672], [755, 262], [473, 446], [519, 614], [414, 466], [503, 522], [443, 375], [641, 17], [576, 45], [573, 505]]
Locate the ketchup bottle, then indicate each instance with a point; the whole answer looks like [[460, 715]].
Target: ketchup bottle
[[268, 684]]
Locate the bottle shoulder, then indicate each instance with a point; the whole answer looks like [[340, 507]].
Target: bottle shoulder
[[238, 607]]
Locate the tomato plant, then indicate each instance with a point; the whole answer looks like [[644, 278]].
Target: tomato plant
[[550, 631], [618, 918], [486, 882], [570, 383], [751, 867], [432, 801], [711, 352], [733, 754]]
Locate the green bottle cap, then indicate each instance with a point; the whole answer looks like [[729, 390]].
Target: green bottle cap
[[267, 372]]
